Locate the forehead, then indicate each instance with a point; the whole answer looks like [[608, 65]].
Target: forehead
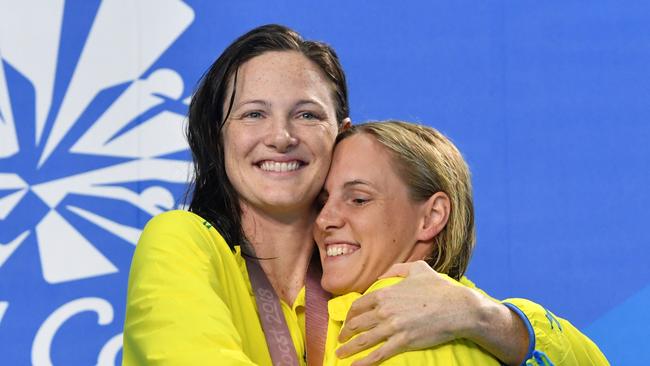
[[287, 71], [362, 157]]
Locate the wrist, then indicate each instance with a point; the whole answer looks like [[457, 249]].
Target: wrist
[[486, 313], [501, 331], [525, 333]]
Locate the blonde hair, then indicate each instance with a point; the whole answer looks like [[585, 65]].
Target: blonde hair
[[428, 162]]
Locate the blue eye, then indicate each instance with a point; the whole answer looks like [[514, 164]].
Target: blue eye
[[254, 114], [308, 115]]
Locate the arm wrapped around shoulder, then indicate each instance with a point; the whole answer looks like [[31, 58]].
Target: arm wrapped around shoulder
[[428, 309]]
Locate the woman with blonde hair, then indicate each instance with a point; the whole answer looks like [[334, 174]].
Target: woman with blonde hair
[[396, 193]]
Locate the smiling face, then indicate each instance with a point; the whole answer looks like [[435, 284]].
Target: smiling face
[[279, 136], [368, 221]]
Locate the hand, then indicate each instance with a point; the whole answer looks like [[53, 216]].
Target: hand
[[425, 310]]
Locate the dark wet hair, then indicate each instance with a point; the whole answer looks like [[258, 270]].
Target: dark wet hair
[[213, 196]]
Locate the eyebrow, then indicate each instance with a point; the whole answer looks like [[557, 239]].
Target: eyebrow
[[356, 182], [254, 101], [308, 101], [267, 104]]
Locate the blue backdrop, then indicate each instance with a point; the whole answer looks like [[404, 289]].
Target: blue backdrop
[[549, 101]]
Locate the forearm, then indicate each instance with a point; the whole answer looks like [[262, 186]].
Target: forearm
[[501, 332], [428, 309]]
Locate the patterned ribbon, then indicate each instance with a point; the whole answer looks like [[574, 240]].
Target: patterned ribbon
[[316, 316], [276, 331]]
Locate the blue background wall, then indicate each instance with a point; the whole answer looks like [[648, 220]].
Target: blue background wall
[[549, 101]]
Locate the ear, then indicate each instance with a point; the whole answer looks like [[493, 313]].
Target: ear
[[435, 216], [347, 123]]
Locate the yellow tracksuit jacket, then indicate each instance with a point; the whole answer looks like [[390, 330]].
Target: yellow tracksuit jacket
[[190, 302]]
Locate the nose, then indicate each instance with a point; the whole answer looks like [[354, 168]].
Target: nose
[[329, 218], [281, 135]]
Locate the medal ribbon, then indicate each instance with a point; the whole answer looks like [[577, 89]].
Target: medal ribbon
[[276, 331]]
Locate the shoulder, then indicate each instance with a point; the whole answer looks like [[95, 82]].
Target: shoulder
[[181, 233], [180, 223], [179, 249], [176, 220]]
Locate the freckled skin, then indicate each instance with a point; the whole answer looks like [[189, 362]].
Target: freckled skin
[[283, 110]]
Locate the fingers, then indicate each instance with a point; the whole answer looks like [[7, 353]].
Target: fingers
[[393, 346], [397, 270], [360, 306], [406, 269], [358, 324], [363, 341]]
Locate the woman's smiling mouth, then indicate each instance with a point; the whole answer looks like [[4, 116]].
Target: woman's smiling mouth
[[280, 166], [335, 250]]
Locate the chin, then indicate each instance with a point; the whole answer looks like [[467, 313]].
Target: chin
[[293, 198], [286, 203], [335, 286]]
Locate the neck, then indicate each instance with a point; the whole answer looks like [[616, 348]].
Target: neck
[[285, 244]]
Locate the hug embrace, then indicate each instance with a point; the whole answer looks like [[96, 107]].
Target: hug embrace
[[310, 240]]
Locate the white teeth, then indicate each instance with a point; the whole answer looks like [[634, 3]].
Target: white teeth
[[274, 166], [342, 249]]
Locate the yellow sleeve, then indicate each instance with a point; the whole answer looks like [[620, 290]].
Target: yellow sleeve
[[177, 310], [551, 338], [554, 338]]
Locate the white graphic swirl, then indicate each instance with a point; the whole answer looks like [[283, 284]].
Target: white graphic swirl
[[3, 309], [124, 41]]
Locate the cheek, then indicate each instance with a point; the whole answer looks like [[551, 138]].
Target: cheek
[[234, 152], [236, 143], [372, 229], [322, 162], [324, 166], [317, 234], [229, 156], [227, 142], [324, 152], [387, 232], [323, 140]]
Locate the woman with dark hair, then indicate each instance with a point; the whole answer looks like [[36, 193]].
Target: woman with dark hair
[[225, 282]]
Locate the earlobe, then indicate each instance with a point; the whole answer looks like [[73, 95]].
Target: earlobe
[[347, 123], [435, 217]]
